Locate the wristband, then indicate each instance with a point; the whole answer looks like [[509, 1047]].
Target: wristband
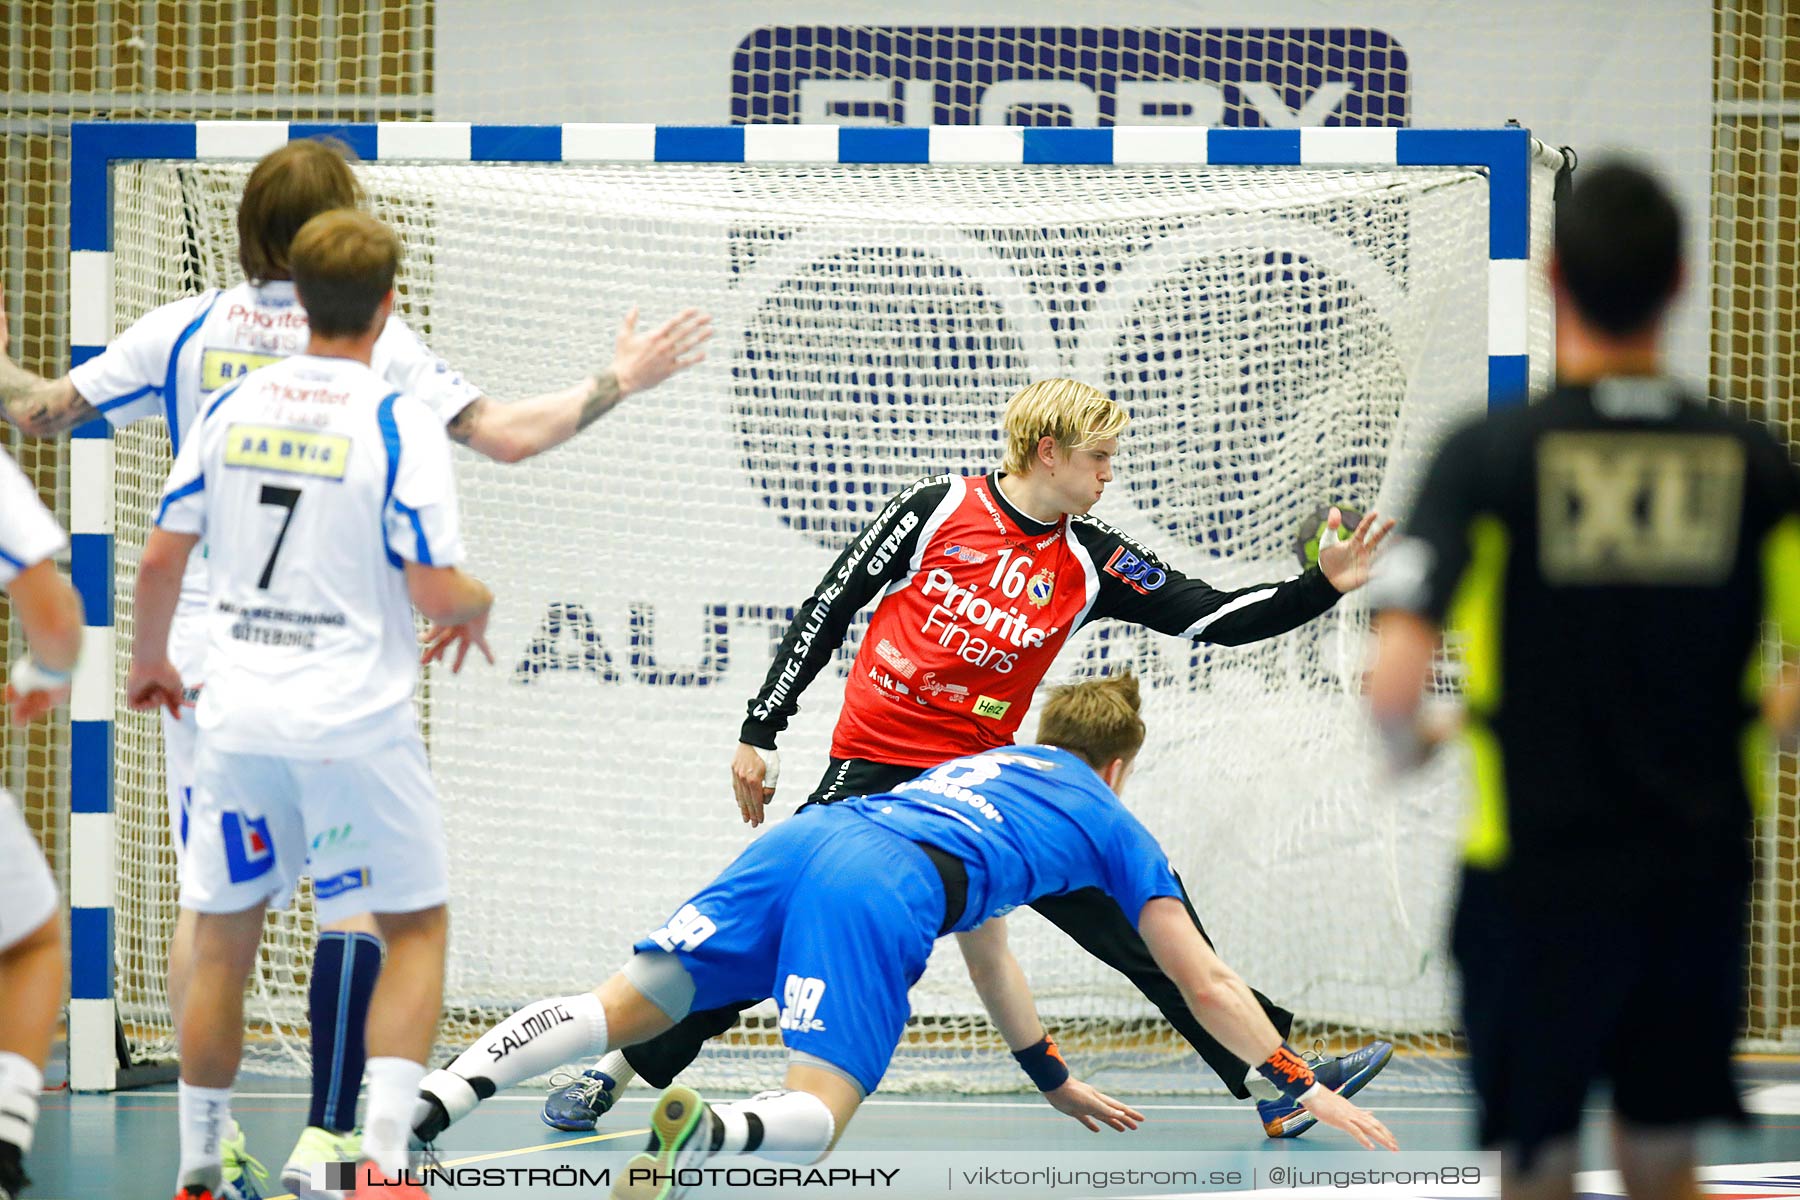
[[1044, 1063], [29, 675], [1288, 1072]]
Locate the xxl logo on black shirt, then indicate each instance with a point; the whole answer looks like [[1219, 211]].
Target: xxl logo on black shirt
[[1638, 508]]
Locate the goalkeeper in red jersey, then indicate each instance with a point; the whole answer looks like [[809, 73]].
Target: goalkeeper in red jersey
[[982, 579]]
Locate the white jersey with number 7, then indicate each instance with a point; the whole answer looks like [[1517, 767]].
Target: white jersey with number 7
[[313, 482], [172, 358]]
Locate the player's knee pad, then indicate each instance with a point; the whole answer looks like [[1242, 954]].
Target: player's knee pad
[[663, 980]]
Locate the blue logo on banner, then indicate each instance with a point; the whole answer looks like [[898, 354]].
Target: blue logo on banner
[[248, 850], [1057, 75], [336, 885]]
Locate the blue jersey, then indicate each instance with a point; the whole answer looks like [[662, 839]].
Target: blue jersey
[[834, 912], [1027, 822]]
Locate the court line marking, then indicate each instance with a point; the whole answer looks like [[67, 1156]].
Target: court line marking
[[581, 1141]]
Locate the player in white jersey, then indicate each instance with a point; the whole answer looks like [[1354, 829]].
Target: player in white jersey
[[31, 955], [175, 355], [326, 498]]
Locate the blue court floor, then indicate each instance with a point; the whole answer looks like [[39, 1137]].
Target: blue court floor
[[124, 1145]]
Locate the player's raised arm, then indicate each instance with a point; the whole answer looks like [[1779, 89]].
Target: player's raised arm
[[1137, 586], [1348, 561], [882, 554], [39, 407], [511, 432], [1006, 995]]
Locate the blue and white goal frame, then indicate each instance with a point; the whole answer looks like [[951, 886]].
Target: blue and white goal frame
[[1504, 154]]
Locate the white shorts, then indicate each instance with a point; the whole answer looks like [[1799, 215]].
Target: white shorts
[[367, 829], [27, 893], [179, 736], [187, 650]]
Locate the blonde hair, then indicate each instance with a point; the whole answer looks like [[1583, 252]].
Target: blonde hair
[[288, 188], [343, 263], [1078, 416], [1096, 719]]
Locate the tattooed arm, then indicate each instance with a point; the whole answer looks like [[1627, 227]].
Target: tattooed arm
[[38, 406], [510, 432]]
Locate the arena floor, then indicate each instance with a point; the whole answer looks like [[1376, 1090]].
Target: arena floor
[[123, 1145]]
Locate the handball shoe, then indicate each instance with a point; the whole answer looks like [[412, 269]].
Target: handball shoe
[[1346, 1076]]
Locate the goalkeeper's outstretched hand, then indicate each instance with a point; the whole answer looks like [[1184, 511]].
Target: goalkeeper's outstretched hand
[[439, 639], [1347, 563]]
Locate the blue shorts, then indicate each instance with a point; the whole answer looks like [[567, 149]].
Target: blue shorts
[[829, 913]]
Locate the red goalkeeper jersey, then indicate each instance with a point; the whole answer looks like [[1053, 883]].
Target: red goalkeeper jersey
[[976, 601]]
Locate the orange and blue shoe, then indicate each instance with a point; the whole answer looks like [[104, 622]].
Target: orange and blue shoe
[[1346, 1076]]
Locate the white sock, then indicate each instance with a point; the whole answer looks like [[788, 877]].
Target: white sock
[[788, 1126], [205, 1115], [534, 1040], [614, 1065], [20, 1083], [393, 1090]]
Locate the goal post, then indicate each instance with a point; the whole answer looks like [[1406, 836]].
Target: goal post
[[1292, 316]]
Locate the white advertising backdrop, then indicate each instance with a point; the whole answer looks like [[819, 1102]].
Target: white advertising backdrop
[[1604, 78]]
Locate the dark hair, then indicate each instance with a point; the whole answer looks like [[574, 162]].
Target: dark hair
[[288, 188], [1618, 247], [343, 263], [1096, 719]]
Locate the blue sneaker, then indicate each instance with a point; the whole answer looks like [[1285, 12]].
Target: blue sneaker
[[578, 1102], [1346, 1076]]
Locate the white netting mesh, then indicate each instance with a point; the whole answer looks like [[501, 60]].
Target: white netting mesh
[[1284, 338]]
